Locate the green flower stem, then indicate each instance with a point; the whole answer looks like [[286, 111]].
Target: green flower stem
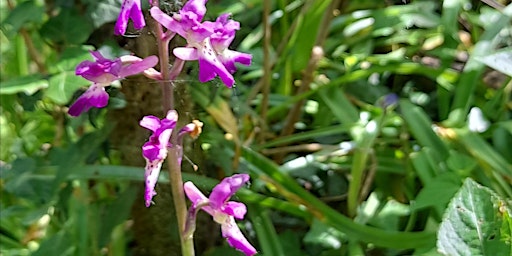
[[178, 196], [173, 155]]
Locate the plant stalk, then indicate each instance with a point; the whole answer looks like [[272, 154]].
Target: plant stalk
[[174, 152]]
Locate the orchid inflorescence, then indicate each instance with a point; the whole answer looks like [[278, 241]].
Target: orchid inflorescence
[[207, 42]]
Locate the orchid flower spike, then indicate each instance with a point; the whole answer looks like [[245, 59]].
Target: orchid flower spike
[[223, 211], [155, 149], [102, 72]]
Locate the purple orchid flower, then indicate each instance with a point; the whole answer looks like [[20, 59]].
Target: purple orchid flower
[[102, 72], [155, 149], [223, 211], [130, 9], [224, 33], [202, 44]]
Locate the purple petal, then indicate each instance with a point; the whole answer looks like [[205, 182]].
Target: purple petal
[[228, 58], [138, 67], [197, 7], [150, 122], [235, 209], [164, 19], [102, 70], [153, 151], [195, 196], [235, 238], [95, 96], [137, 16], [227, 188], [130, 9], [186, 53], [210, 66], [97, 56], [122, 19], [151, 173]]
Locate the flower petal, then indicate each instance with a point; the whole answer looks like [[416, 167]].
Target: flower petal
[[228, 58], [137, 16], [227, 188], [186, 53], [151, 173], [138, 67], [196, 196], [210, 65], [235, 238], [164, 19], [95, 96], [130, 9], [102, 70], [235, 209], [150, 122], [196, 6]]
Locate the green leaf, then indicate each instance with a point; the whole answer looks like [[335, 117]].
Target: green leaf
[[442, 188], [340, 105], [23, 13], [267, 236], [59, 244], [287, 187], [501, 61], [27, 84], [71, 57], [62, 86], [472, 224], [67, 27], [323, 235], [420, 126], [104, 11]]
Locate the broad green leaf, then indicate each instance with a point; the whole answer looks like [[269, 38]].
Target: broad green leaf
[[21, 15], [71, 57], [27, 84], [442, 188], [102, 12], [67, 27], [473, 223], [63, 85]]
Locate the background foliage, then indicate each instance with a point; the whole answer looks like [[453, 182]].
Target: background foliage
[[391, 138]]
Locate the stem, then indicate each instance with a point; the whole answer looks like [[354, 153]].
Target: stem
[[174, 153], [267, 69], [178, 196]]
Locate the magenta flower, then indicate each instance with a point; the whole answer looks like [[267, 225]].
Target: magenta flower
[[155, 149], [102, 72], [224, 33], [206, 42], [223, 211], [130, 9]]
